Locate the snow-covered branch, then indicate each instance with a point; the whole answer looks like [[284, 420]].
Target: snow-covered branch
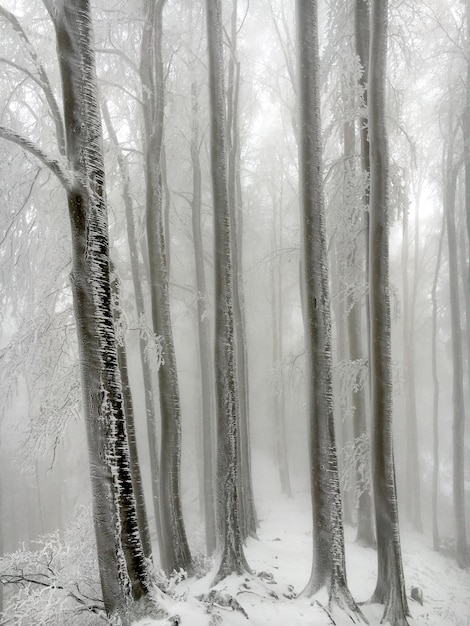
[[54, 165]]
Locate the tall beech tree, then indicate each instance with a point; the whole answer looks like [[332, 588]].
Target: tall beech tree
[[230, 540], [390, 588], [122, 563], [328, 566], [175, 548]]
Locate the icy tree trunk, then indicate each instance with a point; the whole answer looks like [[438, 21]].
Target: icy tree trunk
[[130, 423], [435, 402], [328, 535], [248, 517], [413, 491], [144, 344], [204, 337], [121, 560], [390, 589], [175, 553], [458, 425], [228, 435]]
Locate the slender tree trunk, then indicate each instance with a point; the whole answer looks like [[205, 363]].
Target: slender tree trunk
[[175, 554], [230, 539], [277, 334], [248, 517], [121, 559], [461, 548], [390, 589], [435, 410], [413, 491], [144, 344], [328, 566], [204, 341]]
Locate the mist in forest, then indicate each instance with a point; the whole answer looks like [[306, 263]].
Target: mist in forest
[[234, 264]]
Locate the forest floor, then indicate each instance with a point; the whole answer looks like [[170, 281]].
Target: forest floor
[[284, 551]]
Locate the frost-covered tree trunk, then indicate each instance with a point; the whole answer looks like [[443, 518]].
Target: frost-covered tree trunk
[[204, 336], [175, 554], [145, 347], [390, 589], [129, 413], [458, 424], [248, 518], [230, 541], [328, 535], [122, 564]]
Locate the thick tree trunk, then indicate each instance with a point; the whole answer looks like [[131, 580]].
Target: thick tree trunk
[[121, 559], [390, 589], [458, 427], [175, 554], [328, 566], [204, 338], [228, 434]]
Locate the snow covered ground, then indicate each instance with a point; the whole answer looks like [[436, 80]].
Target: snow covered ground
[[284, 551]]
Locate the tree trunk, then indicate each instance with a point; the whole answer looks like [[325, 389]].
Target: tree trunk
[[277, 334], [204, 337], [130, 423], [144, 343], [413, 491], [248, 517], [458, 428], [390, 589], [121, 560], [228, 434], [435, 409], [328, 566], [175, 554]]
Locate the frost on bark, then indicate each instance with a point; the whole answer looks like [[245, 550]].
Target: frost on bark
[[390, 589], [145, 346], [229, 535], [328, 568], [122, 563], [175, 554]]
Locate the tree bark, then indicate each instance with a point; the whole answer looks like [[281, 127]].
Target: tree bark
[[328, 566], [122, 564], [175, 554], [230, 539], [390, 589]]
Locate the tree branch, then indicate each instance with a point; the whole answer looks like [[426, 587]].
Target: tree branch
[[56, 168]]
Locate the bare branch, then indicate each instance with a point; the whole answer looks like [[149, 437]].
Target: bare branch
[[62, 174]]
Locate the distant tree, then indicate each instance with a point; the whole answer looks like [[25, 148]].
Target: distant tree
[[390, 589], [230, 541], [328, 534]]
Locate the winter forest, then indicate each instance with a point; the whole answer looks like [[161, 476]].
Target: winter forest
[[235, 312]]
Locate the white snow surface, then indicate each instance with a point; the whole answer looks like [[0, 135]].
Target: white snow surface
[[284, 550]]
